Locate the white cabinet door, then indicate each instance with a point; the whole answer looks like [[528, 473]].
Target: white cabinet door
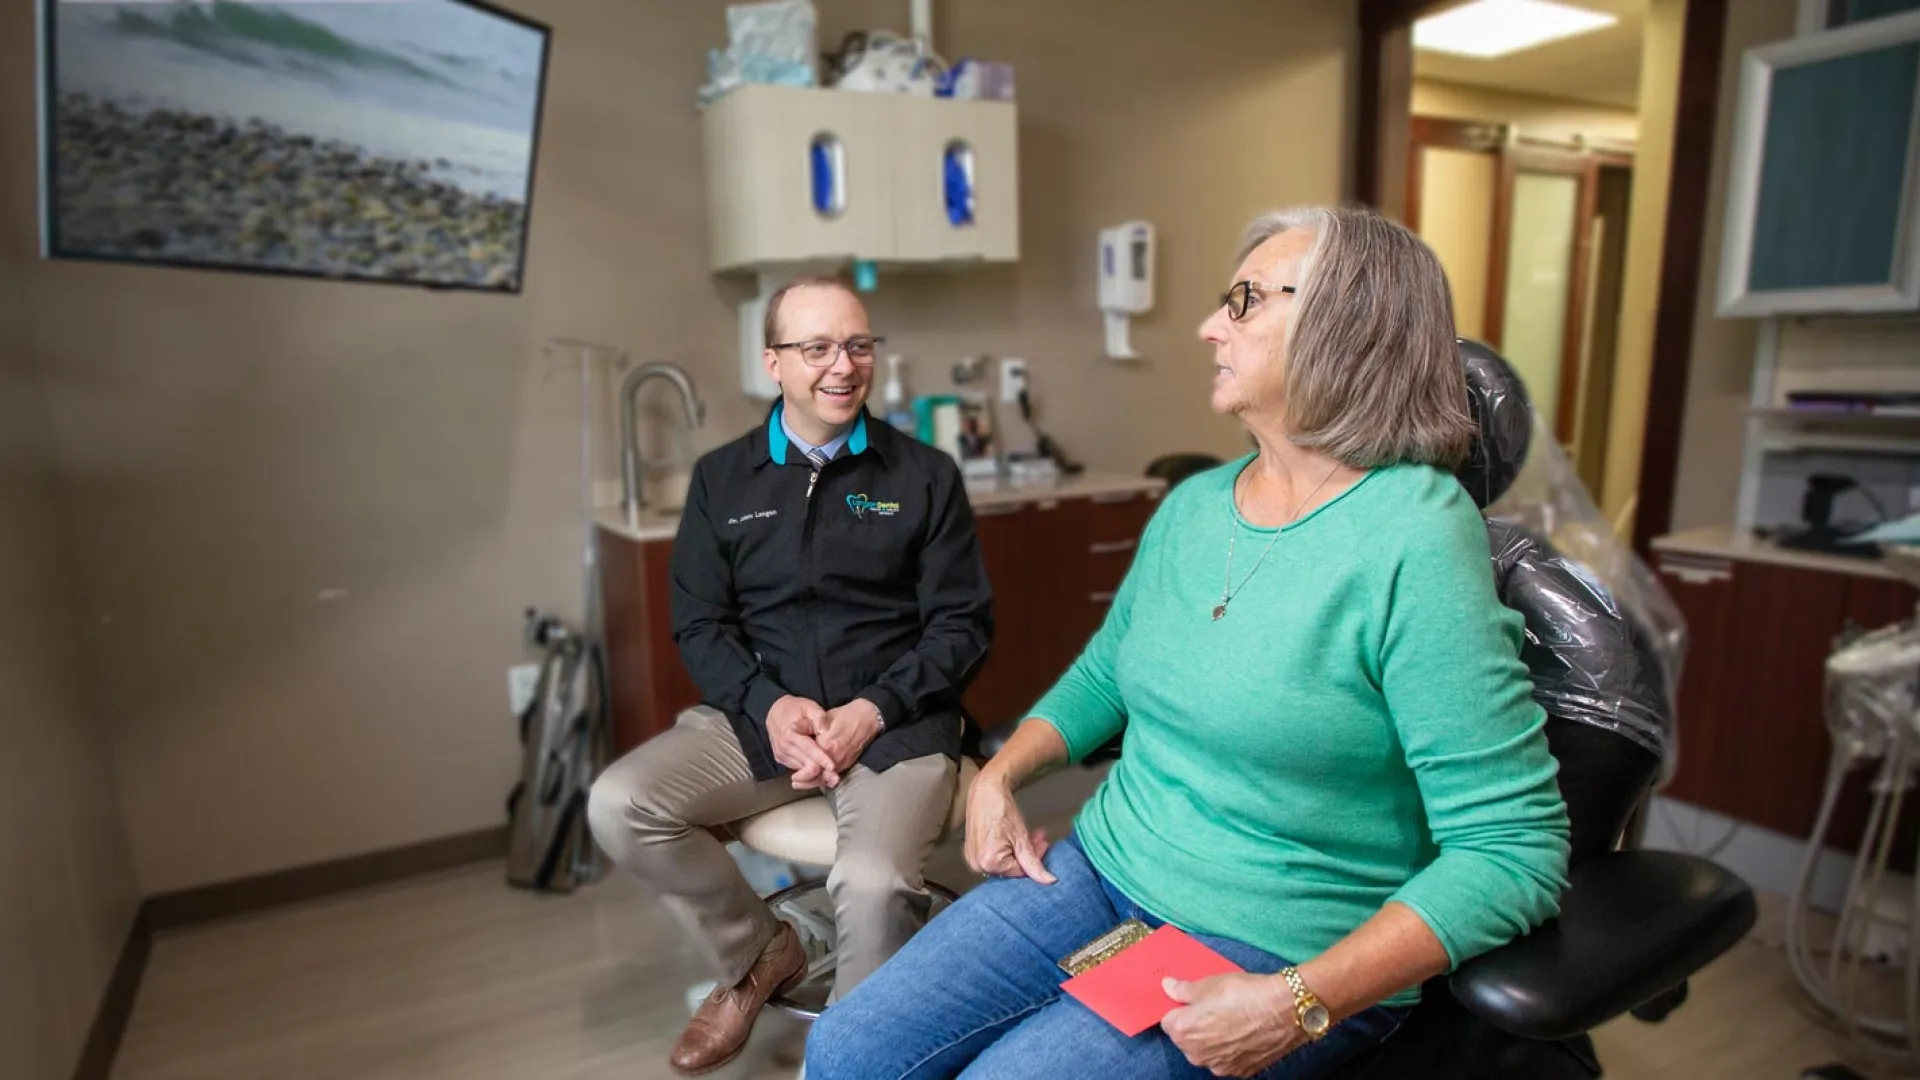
[[956, 180], [798, 175]]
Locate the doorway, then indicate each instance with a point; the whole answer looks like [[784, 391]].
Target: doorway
[[1640, 376], [1532, 238]]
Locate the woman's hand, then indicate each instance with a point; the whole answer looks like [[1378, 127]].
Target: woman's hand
[[1235, 1025], [998, 842]]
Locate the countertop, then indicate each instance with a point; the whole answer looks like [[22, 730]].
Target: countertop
[[1087, 485], [655, 525], [1726, 542]]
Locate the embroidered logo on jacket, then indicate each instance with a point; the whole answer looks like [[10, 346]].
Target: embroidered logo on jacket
[[862, 506]]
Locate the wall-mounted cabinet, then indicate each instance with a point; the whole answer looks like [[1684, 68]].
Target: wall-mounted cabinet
[[1823, 200], [956, 180], [799, 176]]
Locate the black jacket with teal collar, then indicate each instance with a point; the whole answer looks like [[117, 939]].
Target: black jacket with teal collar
[[864, 582]]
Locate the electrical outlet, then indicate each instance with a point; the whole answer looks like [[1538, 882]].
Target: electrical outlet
[[1013, 379], [523, 681]]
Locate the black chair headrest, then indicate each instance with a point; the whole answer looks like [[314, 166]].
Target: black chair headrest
[[1174, 468], [1504, 417]]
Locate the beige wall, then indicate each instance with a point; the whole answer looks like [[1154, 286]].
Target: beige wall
[[1533, 115], [1720, 376], [308, 514], [67, 890], [1662, 35]]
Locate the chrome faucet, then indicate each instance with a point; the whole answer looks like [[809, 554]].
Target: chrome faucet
[[633, 494]]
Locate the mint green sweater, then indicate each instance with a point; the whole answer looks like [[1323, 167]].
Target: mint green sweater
[[1358, 729]]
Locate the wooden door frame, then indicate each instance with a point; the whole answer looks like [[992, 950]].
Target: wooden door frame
[[1447, 134], [1514, 160], [1689, 194]]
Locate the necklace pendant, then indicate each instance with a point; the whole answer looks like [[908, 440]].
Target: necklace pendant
[[1219, 610]]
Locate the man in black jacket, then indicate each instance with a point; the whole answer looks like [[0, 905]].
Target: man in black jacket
[[829, 601]]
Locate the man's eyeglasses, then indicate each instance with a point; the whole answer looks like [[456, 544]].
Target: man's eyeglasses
[[1239, 299], [820, 352]]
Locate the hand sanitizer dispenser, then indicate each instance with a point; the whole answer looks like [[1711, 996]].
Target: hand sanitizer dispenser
[[1126, 282]]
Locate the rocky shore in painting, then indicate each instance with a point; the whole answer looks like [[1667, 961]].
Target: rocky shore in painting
[[180, 187]]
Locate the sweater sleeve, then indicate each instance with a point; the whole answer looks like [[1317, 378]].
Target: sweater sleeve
[[1461, 702], [1085, 706]]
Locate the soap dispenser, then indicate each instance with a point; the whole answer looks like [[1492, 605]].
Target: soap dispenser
[[894, 398]]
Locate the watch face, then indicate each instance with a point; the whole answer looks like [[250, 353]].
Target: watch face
[[1315, 1020]]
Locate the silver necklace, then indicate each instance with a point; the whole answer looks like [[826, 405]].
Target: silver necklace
[[1227, 591]]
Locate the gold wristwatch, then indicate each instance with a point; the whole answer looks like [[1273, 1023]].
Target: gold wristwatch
[[1314, 1017]]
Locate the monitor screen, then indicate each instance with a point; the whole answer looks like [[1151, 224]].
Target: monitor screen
[[377, 140]]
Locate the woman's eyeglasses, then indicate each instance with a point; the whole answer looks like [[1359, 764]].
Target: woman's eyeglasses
[[1239, 299], [821, 352]]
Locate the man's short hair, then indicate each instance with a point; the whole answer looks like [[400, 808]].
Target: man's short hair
[[770, 327]]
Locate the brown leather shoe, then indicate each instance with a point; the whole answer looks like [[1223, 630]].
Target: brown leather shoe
[[719, 1028]]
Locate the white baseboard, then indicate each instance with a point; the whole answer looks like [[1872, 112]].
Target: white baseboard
[[1767, 860]]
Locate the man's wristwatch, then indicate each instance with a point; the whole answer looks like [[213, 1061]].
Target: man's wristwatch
[[879, 717], [1314, 1017]]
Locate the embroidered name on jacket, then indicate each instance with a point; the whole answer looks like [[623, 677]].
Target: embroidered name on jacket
[[862, 506], [751, 517]]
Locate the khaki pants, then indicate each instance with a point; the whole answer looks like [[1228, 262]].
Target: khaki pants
[[649, 811]]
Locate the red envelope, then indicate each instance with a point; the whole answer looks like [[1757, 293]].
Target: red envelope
[[1125, 990]]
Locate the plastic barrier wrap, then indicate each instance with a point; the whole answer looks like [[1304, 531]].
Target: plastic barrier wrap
[[772, 42], [1871, 688], [1604, 639], [1590, 660]]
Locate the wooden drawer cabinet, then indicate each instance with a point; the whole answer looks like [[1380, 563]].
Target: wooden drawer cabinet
[[1752, 713], [646, 682], [1021, 544], [1054, 565], [1704, 592]]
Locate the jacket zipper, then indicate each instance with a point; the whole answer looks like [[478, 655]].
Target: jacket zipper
[[813, 592]]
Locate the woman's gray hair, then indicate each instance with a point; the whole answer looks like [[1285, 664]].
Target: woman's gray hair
[[1374, 375]]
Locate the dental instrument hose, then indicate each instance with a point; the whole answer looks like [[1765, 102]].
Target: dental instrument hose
[[1799, 952]]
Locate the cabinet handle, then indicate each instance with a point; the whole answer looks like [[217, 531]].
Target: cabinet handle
[[957, 173], [1697, 573], [1103, 597], [1110, 547], [997, 510], [1113, 497], [828, 157]]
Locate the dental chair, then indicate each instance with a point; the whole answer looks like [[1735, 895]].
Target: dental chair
[[1633, 925], [1174, 468]]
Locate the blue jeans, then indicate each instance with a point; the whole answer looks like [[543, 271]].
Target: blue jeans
[[978, 993]]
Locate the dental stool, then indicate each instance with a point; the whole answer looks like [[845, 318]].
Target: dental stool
[[805, 832]]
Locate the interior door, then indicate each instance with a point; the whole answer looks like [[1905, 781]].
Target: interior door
[[1453, 178], [1537, 290], [1600, 352]]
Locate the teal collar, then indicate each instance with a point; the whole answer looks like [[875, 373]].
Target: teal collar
[[777, 441]]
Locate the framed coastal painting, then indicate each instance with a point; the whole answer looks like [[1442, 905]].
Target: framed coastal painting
[[374, 140]]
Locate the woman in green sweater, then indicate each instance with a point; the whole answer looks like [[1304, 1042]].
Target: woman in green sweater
[[1333, 771]]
